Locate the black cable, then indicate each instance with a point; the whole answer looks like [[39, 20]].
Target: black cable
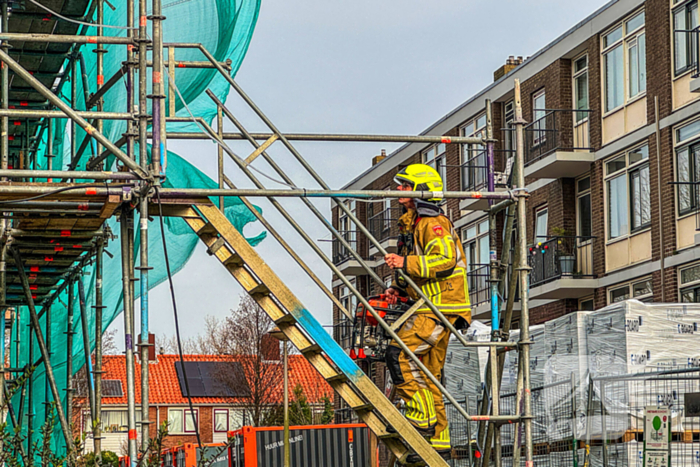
[[177, 325], [61, 190]]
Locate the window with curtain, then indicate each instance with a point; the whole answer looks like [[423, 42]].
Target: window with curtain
[[685, 18], [641, 289], [687, 167], [182, 420], [628, 192], [624, 50]]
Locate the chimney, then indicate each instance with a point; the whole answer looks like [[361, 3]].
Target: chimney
[[151, 347], [377, 159], [511, 64], [270, 348]]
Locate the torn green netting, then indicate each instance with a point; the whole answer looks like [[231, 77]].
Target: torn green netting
[[225, 28]]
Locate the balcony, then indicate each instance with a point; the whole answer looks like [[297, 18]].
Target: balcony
[[384, 227], [562, 267], [343, 258], [558, 145]]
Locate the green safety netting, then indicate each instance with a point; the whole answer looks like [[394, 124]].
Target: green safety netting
[[225, 28]]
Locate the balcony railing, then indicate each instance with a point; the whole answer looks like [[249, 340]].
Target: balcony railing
[[557, 130], [384, 225], [478, 282], [557, 257], [687, 44], [340, 252]]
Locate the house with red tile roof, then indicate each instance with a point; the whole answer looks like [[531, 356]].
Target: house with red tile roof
[[220, 404]]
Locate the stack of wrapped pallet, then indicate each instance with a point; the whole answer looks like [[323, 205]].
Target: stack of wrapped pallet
[[566, 375], [465, 366], [509, 386], [633, 337], [464, 373], [619, 455]]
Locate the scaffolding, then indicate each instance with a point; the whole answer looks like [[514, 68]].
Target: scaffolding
[[55, 225]]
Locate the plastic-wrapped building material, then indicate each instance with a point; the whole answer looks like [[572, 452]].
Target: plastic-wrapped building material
[[619, 455], [685, 454], [566, 458], [465, 367], [463, 374], [509, 385], [633, 337], [537, 361], [566, 375], [537, 461]]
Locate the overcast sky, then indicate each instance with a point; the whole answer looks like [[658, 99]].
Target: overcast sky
[[386, 67]]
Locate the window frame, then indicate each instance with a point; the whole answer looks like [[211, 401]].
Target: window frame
[[538, 213], [590, 298], [687, 144], [623, 41], [676, 7], [581, 194], [692, 285], [183, 429], [576, 75], [538, 115], [470, 152], [228, 420], [438, 159], [481, 229], [630, 290], [626, 172]]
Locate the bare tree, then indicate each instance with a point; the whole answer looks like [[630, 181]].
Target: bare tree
[[244, 334]]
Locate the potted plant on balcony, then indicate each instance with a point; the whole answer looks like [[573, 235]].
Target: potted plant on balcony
[[564, 250]]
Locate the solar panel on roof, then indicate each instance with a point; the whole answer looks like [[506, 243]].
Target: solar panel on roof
[[213, 379], [112, 388]]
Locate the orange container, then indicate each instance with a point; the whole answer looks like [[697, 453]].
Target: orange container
[[311, 446]]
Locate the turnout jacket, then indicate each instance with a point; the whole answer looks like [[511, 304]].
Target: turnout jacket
[[435, 260]]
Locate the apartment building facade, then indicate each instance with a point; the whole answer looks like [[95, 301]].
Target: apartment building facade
[[612, 148]]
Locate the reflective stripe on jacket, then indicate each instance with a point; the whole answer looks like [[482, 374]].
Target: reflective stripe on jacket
[[437, 264]]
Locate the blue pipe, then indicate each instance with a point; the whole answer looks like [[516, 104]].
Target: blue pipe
[[494, 294]]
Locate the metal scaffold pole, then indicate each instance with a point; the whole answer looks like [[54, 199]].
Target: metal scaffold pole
[[523, 271], [127, 251], [97, 422], [69, 353]]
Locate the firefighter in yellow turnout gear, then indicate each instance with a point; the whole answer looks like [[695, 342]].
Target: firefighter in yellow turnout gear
[[431, 254]]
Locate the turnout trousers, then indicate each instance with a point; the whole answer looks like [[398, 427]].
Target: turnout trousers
[[426, 337]]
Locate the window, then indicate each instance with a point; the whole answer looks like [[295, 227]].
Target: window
[[474, 165], [538, 117], [641, 290], [182, 420], [685, 18], [583, 207], [435, 158], [541, 225], [628, 197], [508, 119], [388, 280], [690, 284], [227, 420], [688, 167], [347, 298], [586, 304], [624, 59], [113, 421], [475, 239], [581, 88], [386, 223]]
